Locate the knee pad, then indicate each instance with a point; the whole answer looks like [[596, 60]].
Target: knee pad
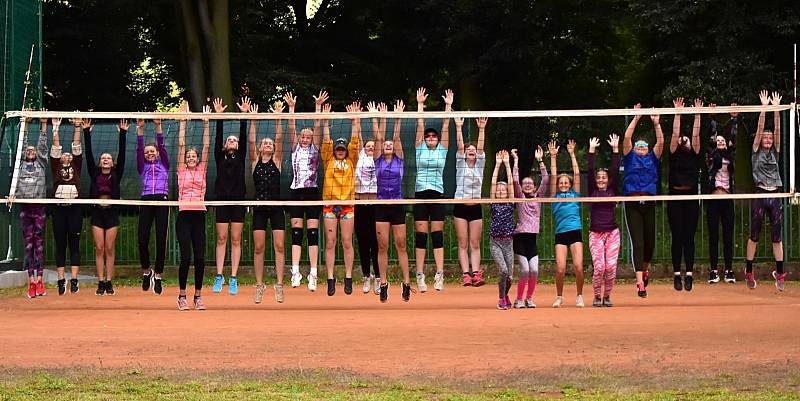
[[297, 236], [421, 240], [313, 237], [437, 239]]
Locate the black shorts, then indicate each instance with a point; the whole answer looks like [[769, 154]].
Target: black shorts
[[272, 214], [525, 245], [392, 214], [305, 212], [468, 212], [105, 217], [430, 211], [570, 237], [229, 214]]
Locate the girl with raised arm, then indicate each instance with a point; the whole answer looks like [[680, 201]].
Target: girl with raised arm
[[641, 178], [468, 217], [67, 217], [604, 239], [305, 165], [152, 163], [527, 230], [567, 217], [191, 225], [389, 174], [501, 230], [105, 178], [32, 184], [265, 164], [431, 155], [767, 177], [367, 188], [684, 178], [230, 186], [340, 159]]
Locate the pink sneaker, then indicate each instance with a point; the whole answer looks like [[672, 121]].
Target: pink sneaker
[[751, 281], [32, 290], [477, 279], [780, 280], [40, 290], [467, 280]]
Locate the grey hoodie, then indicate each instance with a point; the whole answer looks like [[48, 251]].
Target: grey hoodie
[[33, 175]]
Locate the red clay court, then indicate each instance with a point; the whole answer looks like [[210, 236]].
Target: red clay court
[[455, 333]]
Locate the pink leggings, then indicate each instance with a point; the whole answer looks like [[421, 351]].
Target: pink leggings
[[604, 247]]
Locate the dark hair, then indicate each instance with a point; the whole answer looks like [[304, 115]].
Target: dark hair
[[432, 131]]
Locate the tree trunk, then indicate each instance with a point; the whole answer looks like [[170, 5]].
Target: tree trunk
[[219, 59], [193, 52]]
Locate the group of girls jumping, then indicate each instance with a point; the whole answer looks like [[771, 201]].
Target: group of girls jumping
[[373, 168]]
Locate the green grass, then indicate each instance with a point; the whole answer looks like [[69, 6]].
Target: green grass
[[328, 385]]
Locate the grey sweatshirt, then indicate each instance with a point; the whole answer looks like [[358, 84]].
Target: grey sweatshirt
[[33, 175]]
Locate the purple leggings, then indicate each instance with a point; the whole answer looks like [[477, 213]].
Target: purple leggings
[[762, 207], [33, 220]]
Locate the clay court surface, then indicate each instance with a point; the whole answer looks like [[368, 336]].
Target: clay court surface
[[454, 333]]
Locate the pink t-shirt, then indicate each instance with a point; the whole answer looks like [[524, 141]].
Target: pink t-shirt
[[191, 187], [723, 177]]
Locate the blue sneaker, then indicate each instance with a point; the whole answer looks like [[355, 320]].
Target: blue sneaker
[[233, 285], [219, 280]]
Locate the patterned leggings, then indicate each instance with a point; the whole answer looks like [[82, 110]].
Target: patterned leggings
[[605, 251], [503, 254], [33, 220]]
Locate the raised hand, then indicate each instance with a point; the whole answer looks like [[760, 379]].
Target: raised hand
[[656, 118], [552, 149], [613, 140], [504, 154], [515, 155], [206, 112], [421, 96], [448, 98], [594, 143], [43, 120], [372, 107], [86, 123], [244, 105], [481, 121], [382, 107], [459, 121], [764, 96], [123, 125], [140, 124], [399, 106], [75, 121], [571, 146], [678, 103], [253, 108], [326, 108], [290, 100], [776, 98], [539, 153], [698, 103], [276, 107], [499, 158], [218, 106], [321, 98]]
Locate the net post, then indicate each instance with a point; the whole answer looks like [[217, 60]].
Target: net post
[[18, 157], [792, 143]]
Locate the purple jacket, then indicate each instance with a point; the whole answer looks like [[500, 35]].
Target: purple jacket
[[154, 175], [603, 214]]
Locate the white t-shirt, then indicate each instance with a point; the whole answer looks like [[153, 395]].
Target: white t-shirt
[[366, 181], [469, 180]]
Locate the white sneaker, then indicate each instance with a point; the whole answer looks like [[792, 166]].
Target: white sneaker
[[559, 301], [579, 301], [296, 279], [367, 284], [421, 286], [519, 304], [260, 293], [377, 286], [312, 282], [438, 281], [278, 292]]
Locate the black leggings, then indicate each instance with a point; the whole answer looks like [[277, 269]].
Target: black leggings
[[683, 216], [720, 209], [67, 234], [640, 218], [191, 228], [146, 216], [367, 239]]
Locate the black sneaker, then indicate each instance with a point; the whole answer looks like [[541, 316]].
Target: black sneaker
[[147, 280], [678, 282], [406, 291], [348, 285], [73, 285], [157, 285], [607, 302], [730, 277], [640, 291], [331, 286], [713, 277], [101, 288], [384, 292], [597, 303], [62, 286], [687, 282], [109, 288]]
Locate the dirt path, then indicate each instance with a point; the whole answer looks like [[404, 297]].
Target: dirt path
[[457, 332]]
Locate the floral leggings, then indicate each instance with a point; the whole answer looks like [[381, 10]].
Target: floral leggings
[[604, 247], [33, 220]]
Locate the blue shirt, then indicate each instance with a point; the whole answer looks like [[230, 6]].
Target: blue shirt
[[641, 173], [430, 167], [567, 215]]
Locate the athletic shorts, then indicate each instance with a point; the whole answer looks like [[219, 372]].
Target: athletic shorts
[[104, 217], [468, 212], [229, 214], [525, 245], [392, 214], [344, 212], [305, 212], [272, 215], [568, 238], [430, 211]]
